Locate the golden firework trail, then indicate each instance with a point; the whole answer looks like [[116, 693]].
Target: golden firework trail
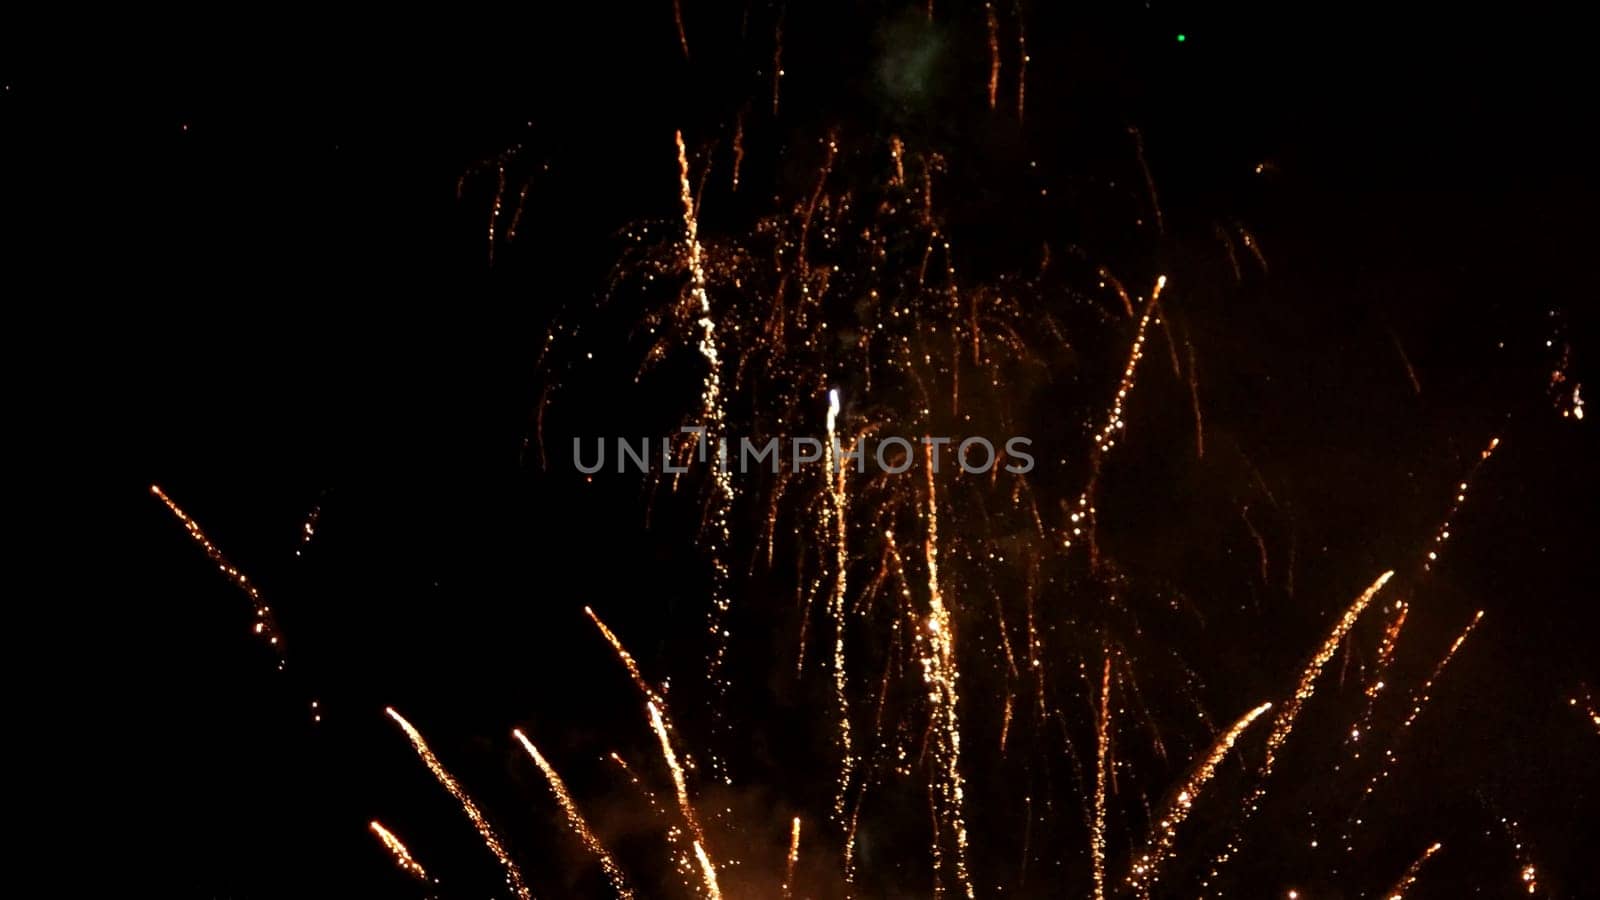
[[1022, 62], [1283, 724], [677, 19], [1418, 702], [794, 856], [1097, 831], [1443, 534], [1589, 709], [1392, 633], [1158, 847], [939, 672], [1398, 892], [1149, 180], [580, 827], [308, 528], [265, 627], [628, 662], [707, 870], [402, 857], [448, 781], [1082, 518], [837, 509], [994, 52], [713, 420]]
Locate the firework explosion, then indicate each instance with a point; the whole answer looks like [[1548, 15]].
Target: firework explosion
[[964, 630]]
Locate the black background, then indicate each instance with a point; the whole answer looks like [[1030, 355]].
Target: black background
[[259, 288]]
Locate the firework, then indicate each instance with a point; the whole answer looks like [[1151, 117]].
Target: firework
[[448, 781], [265, 626], [580, 827], [1398, 892], [402, 857]]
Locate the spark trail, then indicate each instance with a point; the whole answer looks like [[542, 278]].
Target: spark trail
[[448, 781], [794, 856], [939, 672], [1283, 724], [580, 827], [713, 419], [402, 856], [1097, 833], [1158, 847], [837, 510], [708, 871], [265, 627], [1398, 892]]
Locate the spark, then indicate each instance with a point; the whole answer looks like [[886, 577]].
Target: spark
[[1022, 62], [575, 818], [1149, 180], [707, 870], [265, 626], [837, 509], [939, 672], [794, 855], [308, 528], [1283, 724], [1398, 892], [994, 52], [1097, 834], [712, 418], [628, 662], [1418, 702], [1083, 517], [1164, 831], [402, 857], [677, 19], [1194, 399], [448, 781]]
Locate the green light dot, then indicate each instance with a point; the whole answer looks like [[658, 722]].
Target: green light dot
[[1182, 38]]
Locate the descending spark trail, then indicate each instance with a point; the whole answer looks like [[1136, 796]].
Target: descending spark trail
[[837, 508], [794, 856], [713, 420], [1083, 517], [265, 627], [580, 827], [1284, 723], [940, 674], [1391, 634], [402, 857], [1097, 832], [448, 781], [644, 687], [994, 52], [1398, 892], [1146, 867], [707, 870], [1418, 701]]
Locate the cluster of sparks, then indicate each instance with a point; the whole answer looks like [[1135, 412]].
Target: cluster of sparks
[[264, 626], [923, 349]]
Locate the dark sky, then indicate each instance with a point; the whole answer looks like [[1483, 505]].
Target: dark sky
[[262, 291]]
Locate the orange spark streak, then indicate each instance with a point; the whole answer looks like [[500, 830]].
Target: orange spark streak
[[794, 855], [402, 857], [707, 870], [264, 626], [1164, 831], [448, 781], [1398, 892], [1097, 832], [575, 818]]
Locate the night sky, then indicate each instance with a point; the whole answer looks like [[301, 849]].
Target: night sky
[[268, 289]]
